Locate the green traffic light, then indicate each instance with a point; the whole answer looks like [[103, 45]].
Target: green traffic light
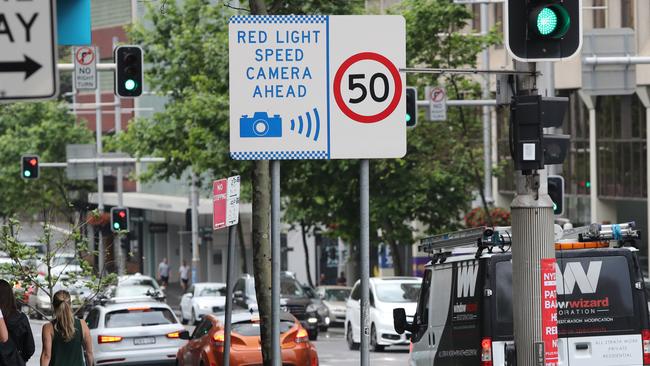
[[408, 117], [587, 184], [130, 84], [116, 226], [546, 21], [27, 173]]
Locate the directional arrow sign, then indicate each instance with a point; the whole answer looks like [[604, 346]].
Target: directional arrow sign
[[29, 55]]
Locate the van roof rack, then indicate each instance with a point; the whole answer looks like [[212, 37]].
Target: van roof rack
[[623, 233], [481, 237]]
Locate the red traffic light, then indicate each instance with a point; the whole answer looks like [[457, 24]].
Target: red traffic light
[[122, 214], [33, 161]]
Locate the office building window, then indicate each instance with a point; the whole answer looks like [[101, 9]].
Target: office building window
[[476, 17], [599, 13], [498, 20], [627, 14]]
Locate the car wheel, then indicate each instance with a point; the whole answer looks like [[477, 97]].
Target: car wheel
[[374, 347], [350, 339], [313, 334]]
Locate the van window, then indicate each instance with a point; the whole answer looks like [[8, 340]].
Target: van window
[[595, 295], [422, 312]]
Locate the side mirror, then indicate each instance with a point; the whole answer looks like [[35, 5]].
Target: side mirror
[[184, 335], [399, 321]]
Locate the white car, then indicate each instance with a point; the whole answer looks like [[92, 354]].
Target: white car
[[61, 266], [335, 298], [386, 294], [135, 333], [201, 299]]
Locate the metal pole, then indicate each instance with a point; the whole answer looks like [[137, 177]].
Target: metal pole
[[593, 166], [532, 227], [548, 78], [196, 258], [485, 94], [232, 235], [100, 173], [276, 354], [364, 254], [117, 242], [647, 151]]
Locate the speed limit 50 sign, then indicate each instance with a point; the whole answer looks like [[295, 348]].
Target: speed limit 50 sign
[[317, 87]]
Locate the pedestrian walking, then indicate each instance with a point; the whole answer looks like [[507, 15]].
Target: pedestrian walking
[[18, 345], [163, 272], [184, 272], [66, 339]]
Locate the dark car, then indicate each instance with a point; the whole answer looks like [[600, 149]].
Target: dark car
[[292, 299], [322, 312]]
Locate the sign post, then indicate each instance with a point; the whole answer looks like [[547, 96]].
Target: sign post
[[28, 59], [226, 214], [85, 68], [317, 87]]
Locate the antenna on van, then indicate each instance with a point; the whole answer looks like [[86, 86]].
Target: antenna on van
[[481, 237]]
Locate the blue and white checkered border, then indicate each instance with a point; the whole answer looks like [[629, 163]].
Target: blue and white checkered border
[[279, 155], [277, 19]]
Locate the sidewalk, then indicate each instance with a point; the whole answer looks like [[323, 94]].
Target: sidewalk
[[174, 293]]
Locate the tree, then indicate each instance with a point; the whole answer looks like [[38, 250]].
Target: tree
[[434, 182], [187, 49], [46, 273], [43, 129]]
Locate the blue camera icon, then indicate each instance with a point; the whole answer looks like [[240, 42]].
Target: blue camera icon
[[260, 125]]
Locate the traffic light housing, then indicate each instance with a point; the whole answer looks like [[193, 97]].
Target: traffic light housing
[[29, 167], [411, 107], [119, 219], [128, 73], [556, 192], [530, 147], [543, 30]]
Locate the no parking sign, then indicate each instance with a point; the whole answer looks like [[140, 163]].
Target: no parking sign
[[317, 87]]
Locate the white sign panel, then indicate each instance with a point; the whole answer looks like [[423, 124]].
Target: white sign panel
[[85, 68], [317, 87], [28, 53], [437, 103]]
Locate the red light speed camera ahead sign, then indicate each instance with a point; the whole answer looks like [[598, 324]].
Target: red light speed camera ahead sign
[[317, 87]]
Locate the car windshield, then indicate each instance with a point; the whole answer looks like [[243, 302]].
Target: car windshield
[[139, 317], [339, 294], [210, 291], [398, 291], [65, 261], [291, 287], [252, 329], [138, 281], [132, 291]]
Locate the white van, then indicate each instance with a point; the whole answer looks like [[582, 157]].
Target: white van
[[464, 313]]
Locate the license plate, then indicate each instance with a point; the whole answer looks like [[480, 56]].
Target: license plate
[[144, 340]]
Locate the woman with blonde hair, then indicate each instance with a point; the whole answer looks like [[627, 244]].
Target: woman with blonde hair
[[66, 338]]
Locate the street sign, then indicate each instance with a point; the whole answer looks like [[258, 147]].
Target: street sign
[[225, 202], [28, 42], [609, 79], [437, 103], [85, 68], [87, 171], [317, 87]]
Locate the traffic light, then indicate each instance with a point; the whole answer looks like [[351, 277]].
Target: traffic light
[[556, 192], [119, 219], [29, 166], [128, 75], [411, 107], [543, 30], [531, 148]]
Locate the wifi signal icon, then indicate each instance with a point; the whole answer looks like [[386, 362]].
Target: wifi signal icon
[[306, 128]]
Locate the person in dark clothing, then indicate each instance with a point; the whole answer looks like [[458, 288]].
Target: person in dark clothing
[[20, 346]]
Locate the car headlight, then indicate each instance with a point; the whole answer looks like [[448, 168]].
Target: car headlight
[[312, 320], [311, 308]]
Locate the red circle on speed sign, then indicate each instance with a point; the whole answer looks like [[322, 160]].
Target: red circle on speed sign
[[393, 72]]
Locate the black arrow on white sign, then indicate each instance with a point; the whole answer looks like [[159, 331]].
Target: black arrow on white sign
[[28, 66]]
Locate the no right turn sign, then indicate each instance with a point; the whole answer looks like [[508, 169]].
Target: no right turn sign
[[85, 68]]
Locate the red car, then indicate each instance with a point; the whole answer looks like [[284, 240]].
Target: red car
[[205, 346]]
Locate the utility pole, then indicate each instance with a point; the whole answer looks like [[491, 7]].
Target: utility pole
[[117, 242], [194, 199], [485, 94], [100, 175]]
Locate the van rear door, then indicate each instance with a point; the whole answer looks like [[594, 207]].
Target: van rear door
[[601, 313]]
